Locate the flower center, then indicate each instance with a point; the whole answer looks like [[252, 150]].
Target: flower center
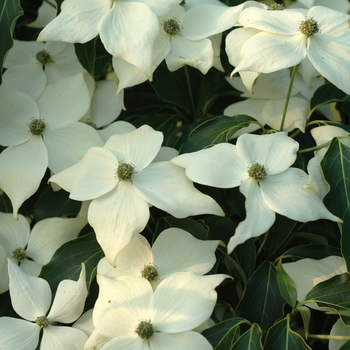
[[43, 57], [144, 329], [19, 254], [124, 171], [42, 321], [276, 7], [171, 26], [257, 172], [150, 272], [37, 127], [309, 27]]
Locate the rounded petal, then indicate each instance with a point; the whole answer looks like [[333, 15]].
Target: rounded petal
[[117, 217], [288, 194], [277, 152], [76, 22], [57, 337], [21, 170], [126, 343], [166, 154], [18, 334], [118, 127], [121, 304], [176, 250], [67, 145], [192, 297], [92, 177], [138, 147], [30, 296], [49, 234], [338, 329], [259, 217], [218, 166], [69, 300], [31, 267], [166, 186]]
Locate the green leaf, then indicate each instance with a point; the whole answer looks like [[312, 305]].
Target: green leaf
[[215, 130], [10, 10], [333, 293], [262, 302], [346, 346], [306, 317], [66, 262], [250, 340], [86, 55], [286, 286], [222, 335], [280, 336], [325, 94]]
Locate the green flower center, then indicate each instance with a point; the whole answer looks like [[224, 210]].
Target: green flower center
[[150, 272], [19, 254], [124, 171], [276, 7], [43, 57], [42, 321], [144, 329], [37, 127], [309, 27], [171, 26], [257, 172]]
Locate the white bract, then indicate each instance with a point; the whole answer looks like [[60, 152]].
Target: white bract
[[287, 37], [42, 134], [260, 165], [31, 299], [122, 183], [174, 250], [32, 249], [134, 316]]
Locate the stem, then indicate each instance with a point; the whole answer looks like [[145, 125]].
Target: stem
[[326, 144], [288, 97], [188, 82]]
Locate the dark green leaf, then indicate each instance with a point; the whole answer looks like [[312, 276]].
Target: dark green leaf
[[345, 238], [66, 262], [346, 346], [286, 286], [86, 55], [222, 335], [280, 336], [262, 302], [215, 130], [250, 340], [306, 317], [312, 251], [10, 10]]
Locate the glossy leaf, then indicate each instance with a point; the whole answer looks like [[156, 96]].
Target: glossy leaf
[[86, 55], [306, 317], [222, 335], [250, 340], [280, 336], [286, 286], [262, 302], [10, 10], [66, 262]]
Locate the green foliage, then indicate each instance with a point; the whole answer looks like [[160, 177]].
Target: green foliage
[[250, 340], [286, 286], [86, 54]]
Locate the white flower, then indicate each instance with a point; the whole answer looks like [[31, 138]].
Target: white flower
[[127, 29], [32, 249], [339, 5], [287, 37], [31, 299], [122, 183], [339, 329], [260, 165], [43, 133], [174, 250], [128, 311]]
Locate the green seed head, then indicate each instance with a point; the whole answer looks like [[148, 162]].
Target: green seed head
[[43, 57], [276, 7], [124, 171], [171, 26], [144, 329], [257, 172], [37, 127], [309, 27], [19, 254], [42, 321], [150, 272]]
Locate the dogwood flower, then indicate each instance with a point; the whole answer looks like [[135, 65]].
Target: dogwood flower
[[127, 29], [134, 316], [287, 37], [41, 134], [32, 249], [260, 166], [31, 299], [122, 182], [340, 5], [175, 250]]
